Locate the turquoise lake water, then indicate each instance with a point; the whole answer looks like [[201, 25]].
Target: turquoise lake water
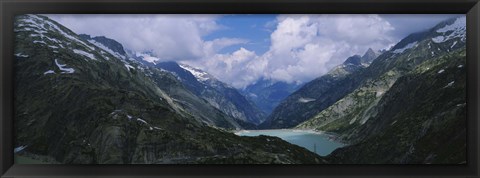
[[317, 142]]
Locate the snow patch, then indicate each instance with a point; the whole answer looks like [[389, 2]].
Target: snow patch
[[129, 67], [460, 66], [62, 68], [101, 46], [438, 39], [41, 42], [40, 23], [305, 100], [457, 30], [393, 122], [200, 75], [459, 24], [454, 43], [68, 35], [141, 120], [408, 46], [21, 55], [83, 53], [440, 71], [49, 72], [449, 84], [20, 148], [147, 57]]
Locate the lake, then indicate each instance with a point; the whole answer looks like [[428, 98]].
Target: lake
[[316, 142]]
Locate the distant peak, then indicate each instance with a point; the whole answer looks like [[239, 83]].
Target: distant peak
[[369, 51], [85, 36], [369, 56], [355, 60], [201, 75]]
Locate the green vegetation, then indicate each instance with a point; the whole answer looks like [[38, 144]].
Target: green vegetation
[[78, 104]]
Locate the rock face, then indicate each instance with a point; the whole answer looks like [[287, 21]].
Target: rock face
[[199, 92], [83, 100], [420, 119], [409, 94], [267, 94], [218, 94], [183, 93], [79, 103], [318, 94]]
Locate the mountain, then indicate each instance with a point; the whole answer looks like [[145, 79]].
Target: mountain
[[107, 44], [369, 56], [78, 103], [226, 98], [318, 94], [267, 94], [193, 95], [421, 119], [218, 94], [410, 102]]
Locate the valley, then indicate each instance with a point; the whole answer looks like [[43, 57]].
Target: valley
[[82, 99], [318, 142]]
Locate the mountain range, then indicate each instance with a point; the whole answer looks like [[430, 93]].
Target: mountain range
[[88, 100], [79, 101], [318, 94], [407, 106]]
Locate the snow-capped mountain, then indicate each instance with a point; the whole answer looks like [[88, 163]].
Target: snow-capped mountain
[[216, 93], [199, 74], [79, 102], [409, 101]]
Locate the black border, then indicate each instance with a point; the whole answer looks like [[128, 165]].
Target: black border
[[10, 7]]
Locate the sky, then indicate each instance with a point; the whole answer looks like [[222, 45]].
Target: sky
[[241, 49]]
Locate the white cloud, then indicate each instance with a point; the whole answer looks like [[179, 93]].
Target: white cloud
[[237, 69], [303, 47], [213, 47], [170, 37]]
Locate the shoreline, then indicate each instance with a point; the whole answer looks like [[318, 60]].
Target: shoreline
[[330, 135]]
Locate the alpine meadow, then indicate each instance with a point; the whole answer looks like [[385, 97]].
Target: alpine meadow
[[240, 89]]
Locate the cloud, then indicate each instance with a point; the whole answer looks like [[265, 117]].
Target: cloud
[[307, 46], [238, 68], [406, 24], [214, 46], [302, 48], [170, 37]]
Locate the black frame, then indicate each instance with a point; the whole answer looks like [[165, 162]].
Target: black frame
[[10, 8]]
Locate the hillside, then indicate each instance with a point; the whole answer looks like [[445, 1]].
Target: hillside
[[77, 103]]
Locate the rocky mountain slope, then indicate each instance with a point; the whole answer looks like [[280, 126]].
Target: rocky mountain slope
[[406, 98], [218, 94], [201, 87], [318, 94], [420, 119], [78, 103], [267, 94]]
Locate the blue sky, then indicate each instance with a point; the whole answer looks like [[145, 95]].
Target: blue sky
[[252, 27], [240, 49]]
